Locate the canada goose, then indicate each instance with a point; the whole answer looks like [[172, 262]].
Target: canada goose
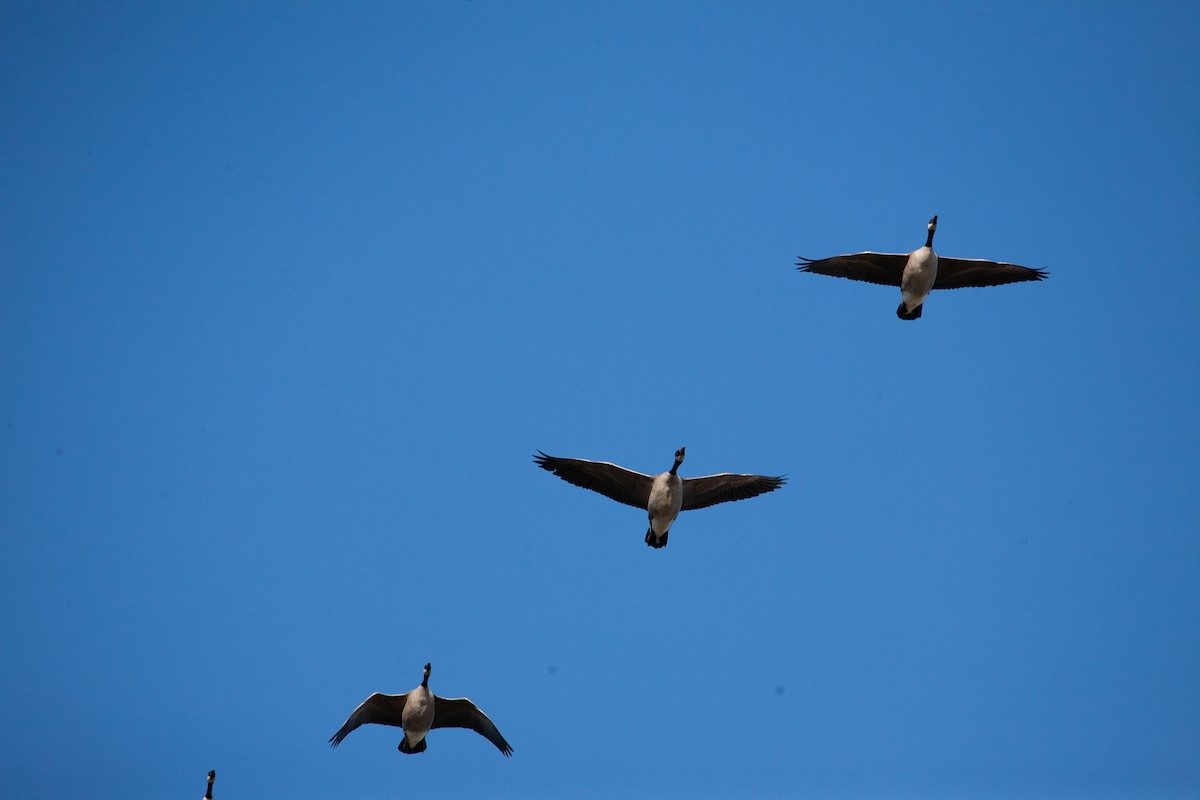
[[419, 711], [662, 496], [212, 778], [918, 272]]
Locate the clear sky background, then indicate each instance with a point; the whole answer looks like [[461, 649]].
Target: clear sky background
[[291, 293]]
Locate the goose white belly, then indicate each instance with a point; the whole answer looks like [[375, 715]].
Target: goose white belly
[[418, 715], [666, 498], [919, 275]]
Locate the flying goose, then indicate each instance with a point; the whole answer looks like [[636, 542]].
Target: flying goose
[[212, 778], [662, 496], [918, 272], [417, 712]]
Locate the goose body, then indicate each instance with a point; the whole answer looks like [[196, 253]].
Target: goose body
[[418, 712], [662, 496], [663, 505], [920, 272], [417, 717], [918, 278]]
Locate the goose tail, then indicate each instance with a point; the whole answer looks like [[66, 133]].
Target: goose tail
[[657, 542], [405, 748]]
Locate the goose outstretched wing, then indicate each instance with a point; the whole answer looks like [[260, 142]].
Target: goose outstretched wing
[[620, 484], [956, 273], [882, 268], [712, 489], [459, 712], [380, 709]]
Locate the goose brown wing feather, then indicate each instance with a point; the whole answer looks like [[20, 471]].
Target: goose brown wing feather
[[459, 712], [957, 273], [882, 268], [712, 489], [380, 709], [620, 484]]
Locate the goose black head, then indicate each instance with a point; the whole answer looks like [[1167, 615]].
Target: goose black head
[[678, 459], [932, 226], [428, 669]]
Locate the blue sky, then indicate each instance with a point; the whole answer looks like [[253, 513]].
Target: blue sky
[[291, 293]]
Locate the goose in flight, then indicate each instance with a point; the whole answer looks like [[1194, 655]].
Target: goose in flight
[[419, 711], [661, 496], [919, 272]]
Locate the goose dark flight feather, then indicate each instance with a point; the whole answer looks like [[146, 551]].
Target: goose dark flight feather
[[919, 272], [661, 496], [418, 712], [614, 482], [885, 269], [959, 273], [726, 487], [459, 712], [378, 709]]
